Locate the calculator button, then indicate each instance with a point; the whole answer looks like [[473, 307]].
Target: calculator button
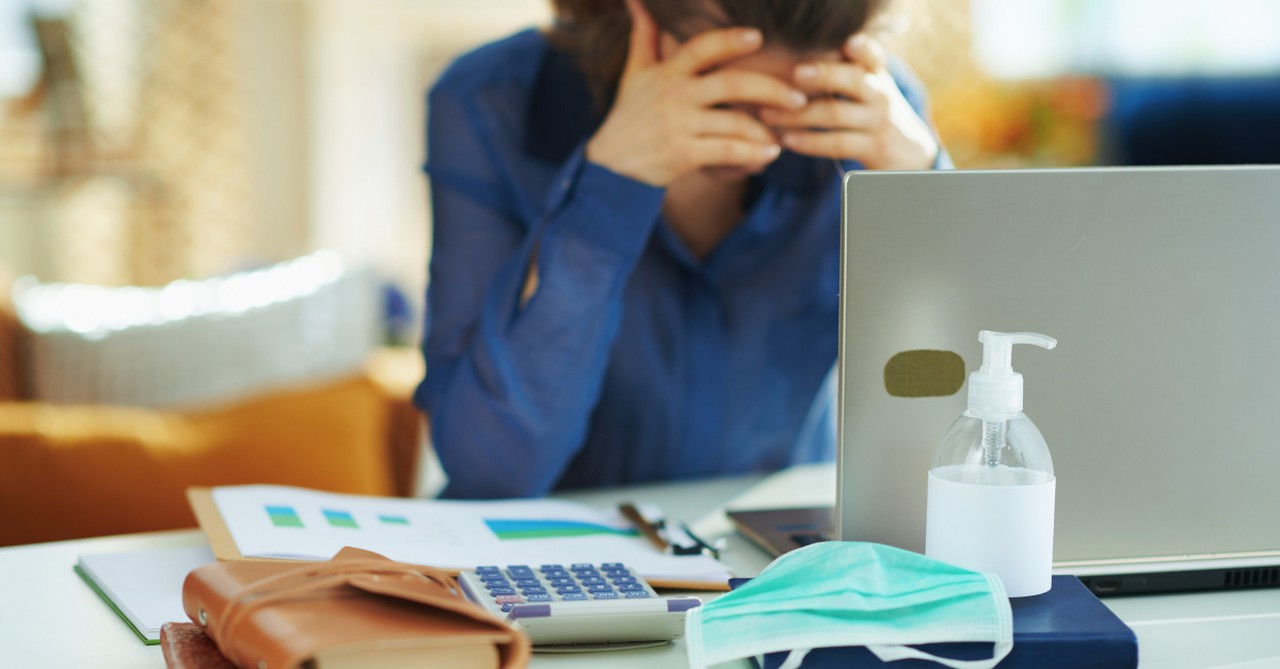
[[508, 599], [497, 591], [561, 580], [592, 580], [623, 579], [612, 565], [488, 569], [572, 596], [526, 582], [533, 590], [506, 608], [605, 595], [520, 571], [635, 594], [581, 565], [551, 567], [541, 597], [566, 589], [600, 587], [556, 574], [630, 587]]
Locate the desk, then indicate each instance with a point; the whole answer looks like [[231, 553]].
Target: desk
[[49, 618]]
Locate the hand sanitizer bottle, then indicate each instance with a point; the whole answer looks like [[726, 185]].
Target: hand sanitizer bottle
[[991, 486]]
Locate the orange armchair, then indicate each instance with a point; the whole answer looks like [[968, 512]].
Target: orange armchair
[[77, 471]]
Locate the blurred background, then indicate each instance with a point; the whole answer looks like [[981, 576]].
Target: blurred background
[[192, 188], [143, 141]]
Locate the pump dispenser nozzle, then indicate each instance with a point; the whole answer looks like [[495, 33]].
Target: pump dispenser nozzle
[[995, 390]]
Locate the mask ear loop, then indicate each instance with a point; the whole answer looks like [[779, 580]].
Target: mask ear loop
[[892, 653], [795, 658], [1004, 642]]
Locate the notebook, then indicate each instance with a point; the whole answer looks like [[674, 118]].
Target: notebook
[[1160, 285], [143, 587], [1067, 627]]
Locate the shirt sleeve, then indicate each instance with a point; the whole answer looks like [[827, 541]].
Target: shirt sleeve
[[510, 387]]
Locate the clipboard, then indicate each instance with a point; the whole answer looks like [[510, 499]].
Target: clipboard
[[223, 545], [215, 528]]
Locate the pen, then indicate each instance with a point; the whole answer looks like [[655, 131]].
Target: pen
[[631, 513], [699, 546]]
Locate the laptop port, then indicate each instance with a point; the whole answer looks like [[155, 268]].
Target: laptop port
[[1107, 587]]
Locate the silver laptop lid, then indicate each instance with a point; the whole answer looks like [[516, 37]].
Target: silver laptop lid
[[1161, 403]]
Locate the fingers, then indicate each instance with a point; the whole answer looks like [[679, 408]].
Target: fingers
[[852, 144], [643, 50], [853, 78], [835, 78], [728, 87], [828, 114], [726, 123], [715, 47], [728, 152], [866, 52]]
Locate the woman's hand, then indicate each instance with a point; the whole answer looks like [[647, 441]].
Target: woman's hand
[[857, 113], [673, 115]]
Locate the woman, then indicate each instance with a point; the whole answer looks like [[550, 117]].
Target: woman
[[636, 222]]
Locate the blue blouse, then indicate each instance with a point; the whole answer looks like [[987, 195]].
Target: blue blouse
[[634, 360]]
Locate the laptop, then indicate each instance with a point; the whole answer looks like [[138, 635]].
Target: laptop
[[1160, 404]]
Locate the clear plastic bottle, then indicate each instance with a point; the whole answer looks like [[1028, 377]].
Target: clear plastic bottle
[[991, 486]]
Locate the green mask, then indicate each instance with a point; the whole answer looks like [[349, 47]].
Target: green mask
[[853, 594]]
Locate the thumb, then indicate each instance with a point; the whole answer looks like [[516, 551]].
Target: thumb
[[643, 49]]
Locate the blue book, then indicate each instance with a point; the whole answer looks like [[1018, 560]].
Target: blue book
[[1065, 627]]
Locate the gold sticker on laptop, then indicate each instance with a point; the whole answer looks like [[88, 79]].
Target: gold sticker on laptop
[[924, 373]]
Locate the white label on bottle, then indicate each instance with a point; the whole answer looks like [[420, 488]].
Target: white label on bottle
[[1002, 529]]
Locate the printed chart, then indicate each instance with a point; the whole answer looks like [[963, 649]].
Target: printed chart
[[296, 523], [522, 528], [287, 516]]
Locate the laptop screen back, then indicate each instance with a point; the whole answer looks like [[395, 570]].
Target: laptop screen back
[[1161, 403]]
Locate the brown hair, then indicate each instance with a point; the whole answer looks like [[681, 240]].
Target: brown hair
[[595, 32]]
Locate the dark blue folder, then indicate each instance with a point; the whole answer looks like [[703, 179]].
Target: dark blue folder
[[1065, 627]]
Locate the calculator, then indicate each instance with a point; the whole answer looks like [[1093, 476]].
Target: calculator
[[582, 607]]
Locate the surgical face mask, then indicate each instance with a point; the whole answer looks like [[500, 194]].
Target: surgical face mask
[[853, 594]]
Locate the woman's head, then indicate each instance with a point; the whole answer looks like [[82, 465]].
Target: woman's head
[[596, 31]]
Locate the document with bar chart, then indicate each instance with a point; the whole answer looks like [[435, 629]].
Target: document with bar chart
[[296, 523]]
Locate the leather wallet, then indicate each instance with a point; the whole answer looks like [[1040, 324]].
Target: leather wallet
[[186, 646], [359, 609]]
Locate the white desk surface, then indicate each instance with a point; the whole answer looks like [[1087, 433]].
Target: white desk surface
[[50, 618]]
